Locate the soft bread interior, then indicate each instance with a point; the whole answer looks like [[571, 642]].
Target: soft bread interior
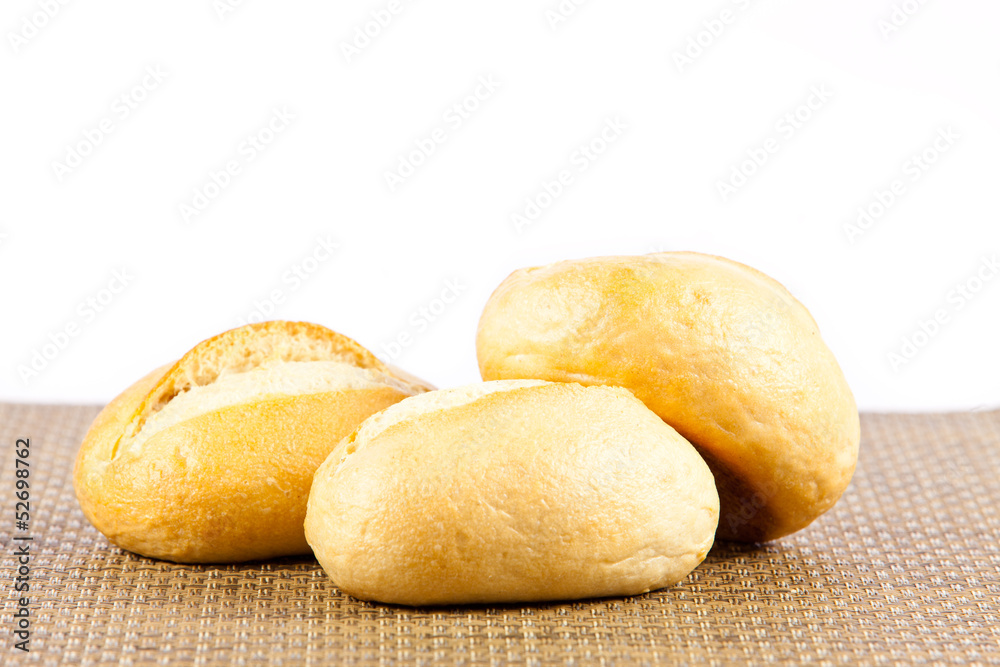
[[271, 380], [434, 401]]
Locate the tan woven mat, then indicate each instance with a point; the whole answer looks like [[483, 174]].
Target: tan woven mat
[[905, 569]]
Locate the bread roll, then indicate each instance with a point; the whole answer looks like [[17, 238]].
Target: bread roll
[[511, 492], [720, 351], [210, 459]]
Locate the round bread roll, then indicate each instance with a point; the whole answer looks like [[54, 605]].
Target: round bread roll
[[511, 491], [210, 459], [720, 351]]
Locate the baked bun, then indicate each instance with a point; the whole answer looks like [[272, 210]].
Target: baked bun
[[210, 459], [720, 351], [511, 491]]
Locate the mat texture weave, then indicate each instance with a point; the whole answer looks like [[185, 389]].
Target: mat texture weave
[[905, 569]]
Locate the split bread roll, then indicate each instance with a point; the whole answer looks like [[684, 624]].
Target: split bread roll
[[720, 351], [511, 491], [210, 459]]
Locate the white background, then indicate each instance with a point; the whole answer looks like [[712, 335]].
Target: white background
[[62, 235]]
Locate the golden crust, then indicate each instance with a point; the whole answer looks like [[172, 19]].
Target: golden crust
[[230, 484], [529, 493], [720, 351], [250, 346]]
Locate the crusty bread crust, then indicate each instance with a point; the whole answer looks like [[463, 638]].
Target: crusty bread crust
[[511, 492], [249, 347], [720, 351], [231, 483]]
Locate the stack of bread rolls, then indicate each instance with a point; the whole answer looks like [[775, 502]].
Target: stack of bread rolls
[[633, 409]]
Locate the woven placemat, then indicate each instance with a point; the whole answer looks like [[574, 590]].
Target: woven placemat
[[906, 568]]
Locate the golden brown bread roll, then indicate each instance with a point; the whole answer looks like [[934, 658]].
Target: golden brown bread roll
[[720, 351], [210, 459], [511, 492]]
